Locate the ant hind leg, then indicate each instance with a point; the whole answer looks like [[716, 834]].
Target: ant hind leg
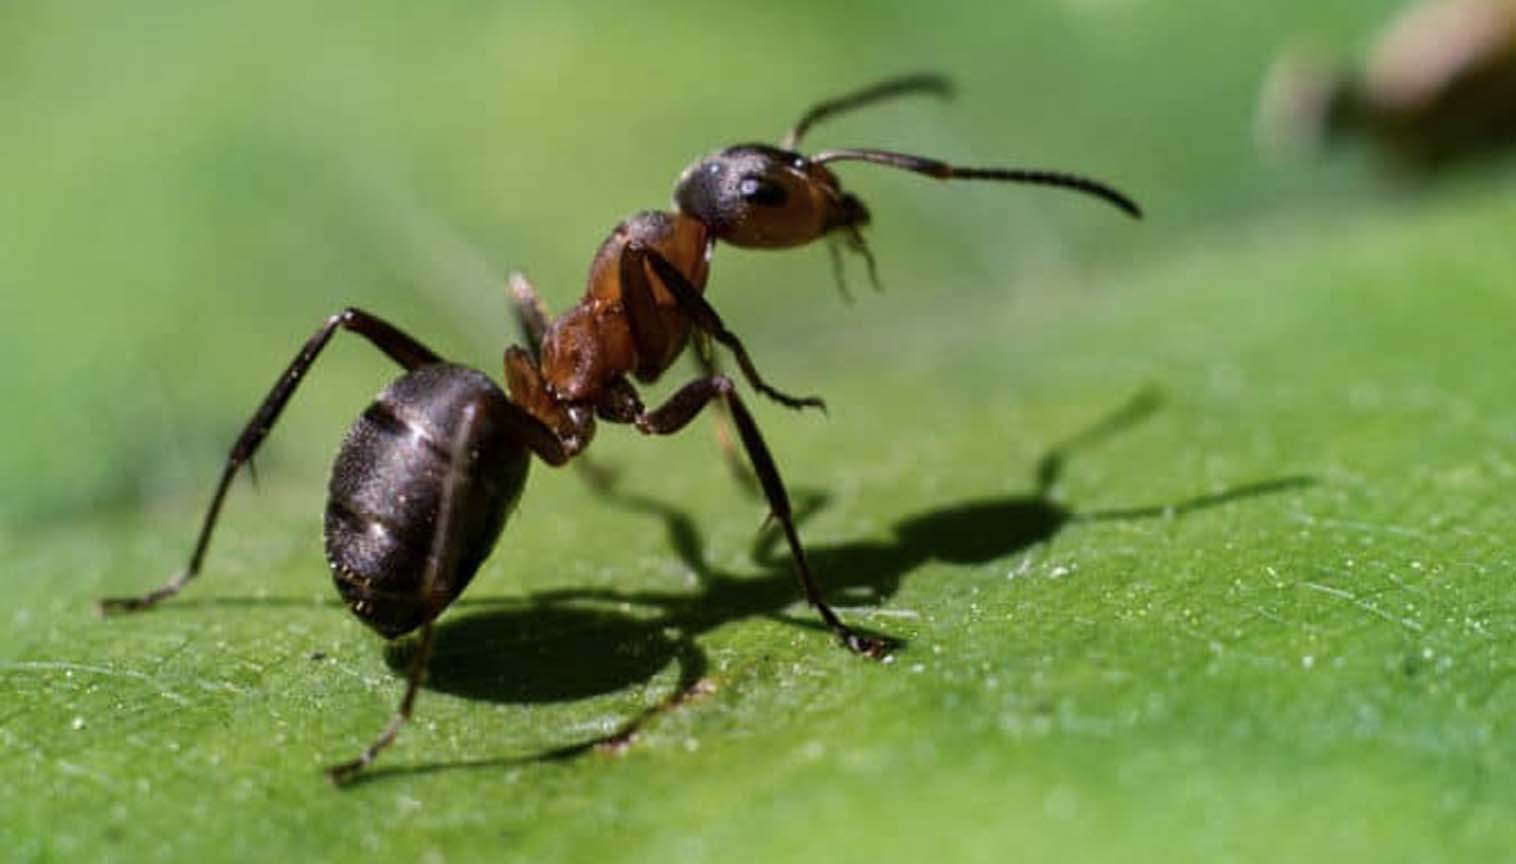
[[398, 346]]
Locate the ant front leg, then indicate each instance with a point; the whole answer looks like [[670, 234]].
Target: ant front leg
[[638, 292], [676, 413], [386, 337]]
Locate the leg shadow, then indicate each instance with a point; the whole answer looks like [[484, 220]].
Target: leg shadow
[[567, 645]]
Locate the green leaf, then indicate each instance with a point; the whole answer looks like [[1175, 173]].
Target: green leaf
[[1194, 530]]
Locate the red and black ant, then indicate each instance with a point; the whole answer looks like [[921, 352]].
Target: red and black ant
[[429, 472]]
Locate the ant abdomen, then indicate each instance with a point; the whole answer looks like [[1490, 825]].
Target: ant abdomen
[[387, 486]]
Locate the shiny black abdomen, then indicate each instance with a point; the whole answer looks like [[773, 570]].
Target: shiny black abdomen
[[387, 485]]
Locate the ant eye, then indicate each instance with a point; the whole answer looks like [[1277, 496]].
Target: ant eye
[[765, 193]]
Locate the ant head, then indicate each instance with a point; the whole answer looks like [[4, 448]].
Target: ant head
[[757, 196]]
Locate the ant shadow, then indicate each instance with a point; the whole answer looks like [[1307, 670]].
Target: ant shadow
[[573, 644]]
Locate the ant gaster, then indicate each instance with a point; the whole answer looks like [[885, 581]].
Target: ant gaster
[[428, 473]]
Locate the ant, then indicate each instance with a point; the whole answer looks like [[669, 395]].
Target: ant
[[427, 475]]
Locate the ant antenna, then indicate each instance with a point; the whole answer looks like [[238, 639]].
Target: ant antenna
[[944, 171], [927, 82]]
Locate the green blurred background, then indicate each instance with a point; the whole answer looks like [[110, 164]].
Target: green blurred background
[[1317, 671]]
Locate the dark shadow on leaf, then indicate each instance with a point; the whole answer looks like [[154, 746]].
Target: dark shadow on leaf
[[577, 643], [544, 653], [979, 531], [574, 644], [557, 754], [1199, 502]]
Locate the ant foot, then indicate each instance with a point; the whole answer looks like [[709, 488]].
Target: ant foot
[[109, 606], [874, 648], [344, 773], [795, 402], [112, 605]]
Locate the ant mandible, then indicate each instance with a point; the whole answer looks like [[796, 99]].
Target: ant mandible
[[427, 475]]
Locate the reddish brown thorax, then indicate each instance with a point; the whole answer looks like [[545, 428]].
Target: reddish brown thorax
[[591, 345]]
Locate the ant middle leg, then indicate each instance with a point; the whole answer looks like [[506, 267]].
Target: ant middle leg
[[677, 413], [398, 346]]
